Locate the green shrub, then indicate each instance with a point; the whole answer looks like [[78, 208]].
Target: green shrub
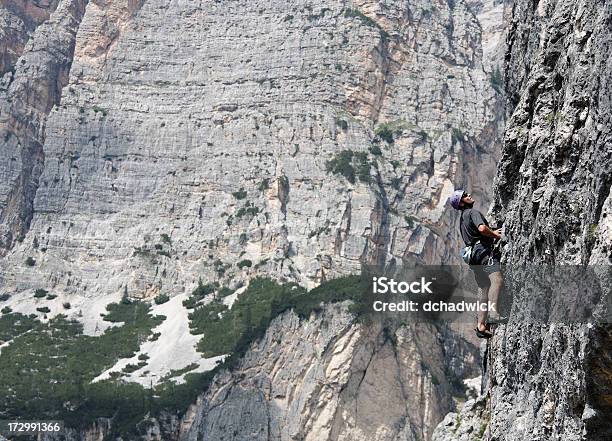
[[166, 239], [43, 309], [4, 297], [51, 296], [385, 133], [375, 150], [246, 263], [341, 122], [341, 165], [240, 194], [247, 210], [30, 261], [162, 298], [40, 293], [6, 310], [224, 292], [410, 221], [363, 167], [390, 130], [198, 294], [66, 305], [264, 184], [497, 80], [129, 368]]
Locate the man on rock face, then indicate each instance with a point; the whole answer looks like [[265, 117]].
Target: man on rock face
[[484, 261]]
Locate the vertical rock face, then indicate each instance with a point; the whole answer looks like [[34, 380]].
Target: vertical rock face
[[223, 126], [18, 20], [553, 194], [154, 143], [29, 88], [553, 189]]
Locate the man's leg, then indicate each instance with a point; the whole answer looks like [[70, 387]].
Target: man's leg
[[496, 285], [482, 312]]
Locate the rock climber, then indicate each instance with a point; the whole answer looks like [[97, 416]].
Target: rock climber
[[482, 257]]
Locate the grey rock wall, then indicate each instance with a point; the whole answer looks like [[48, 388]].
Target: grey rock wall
[[553, 194], [29, 88], [213, 123], [171, 108]]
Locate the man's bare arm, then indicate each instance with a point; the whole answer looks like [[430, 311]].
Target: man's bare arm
[[487, 232]]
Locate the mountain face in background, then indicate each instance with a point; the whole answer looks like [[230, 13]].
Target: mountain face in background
[[150, 148], [305, 137]]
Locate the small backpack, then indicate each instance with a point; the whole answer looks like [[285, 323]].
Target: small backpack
[[467, 252]]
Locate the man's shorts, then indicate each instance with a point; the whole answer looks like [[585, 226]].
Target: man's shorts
[[489, 264]]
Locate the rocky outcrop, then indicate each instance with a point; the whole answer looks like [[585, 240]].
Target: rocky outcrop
[[18, 21], [28, 91], [553, 381], [331, 377]]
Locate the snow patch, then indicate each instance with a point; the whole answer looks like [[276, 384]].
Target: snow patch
[[86, 310], [174, 349]]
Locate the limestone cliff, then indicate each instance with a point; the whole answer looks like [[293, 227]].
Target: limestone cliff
[[553, 194], [218, 124], [331, 377], [149, 144]]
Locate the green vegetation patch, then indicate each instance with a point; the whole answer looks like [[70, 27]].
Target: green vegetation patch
[[246, 263], [240, 194], [48, 368], [389, 131], [343, 124], [264, 184], [232, 330], [341, 164], [162, 298], [351, 165], [497, 80], [201, 291], [40, 293]]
